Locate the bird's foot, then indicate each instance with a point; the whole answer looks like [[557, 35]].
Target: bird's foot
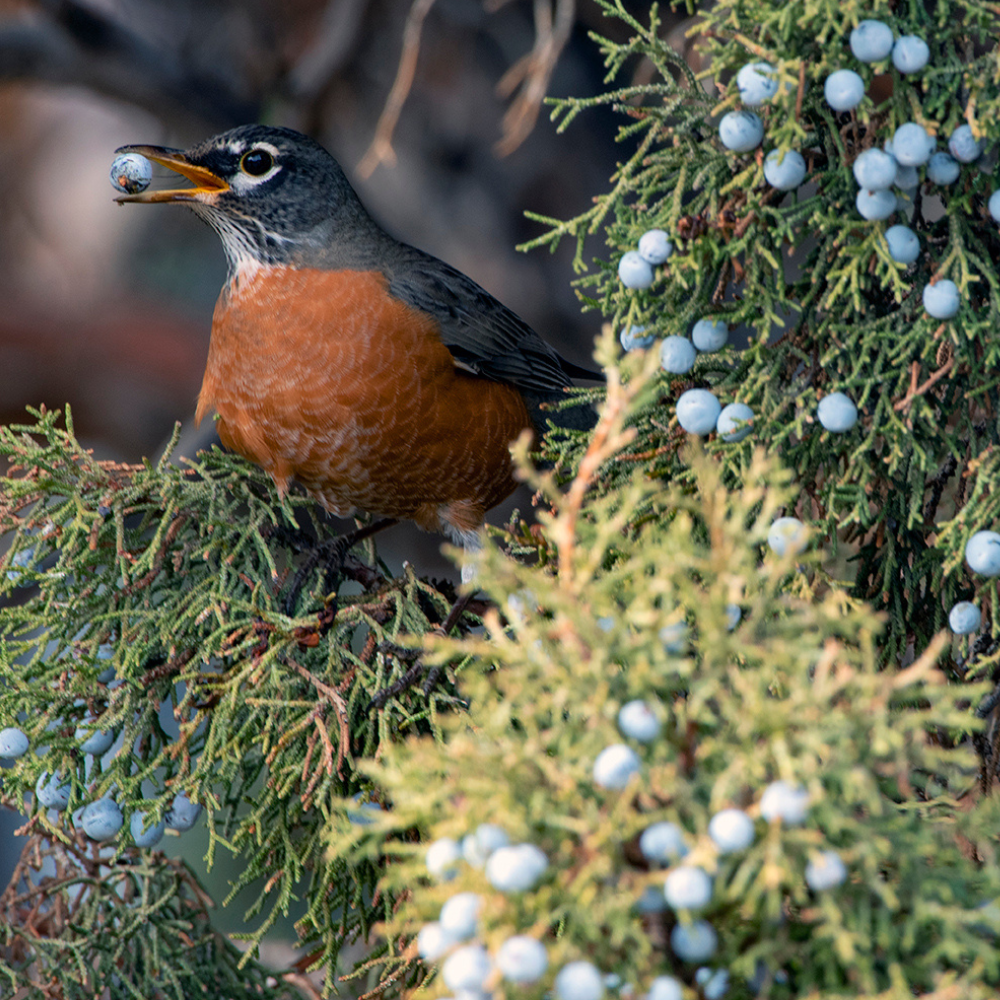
[[333, 556]]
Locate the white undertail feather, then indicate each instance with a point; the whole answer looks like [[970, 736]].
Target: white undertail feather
[[471, 542]]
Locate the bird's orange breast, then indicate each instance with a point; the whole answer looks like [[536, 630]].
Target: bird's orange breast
[[323, 377]]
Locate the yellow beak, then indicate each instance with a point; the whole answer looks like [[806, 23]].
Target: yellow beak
[[206, 184]]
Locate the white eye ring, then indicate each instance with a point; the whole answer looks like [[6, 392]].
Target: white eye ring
[[268, 154]]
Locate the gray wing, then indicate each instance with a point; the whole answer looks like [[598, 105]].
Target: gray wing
[[482, 334]]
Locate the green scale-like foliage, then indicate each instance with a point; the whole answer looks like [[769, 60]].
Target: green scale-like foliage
[[793, 691], [133, 594], [811, 284], [276, 715], [139, 931]]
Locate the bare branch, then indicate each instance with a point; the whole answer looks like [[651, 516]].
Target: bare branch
[[533, 72], [381, 151]]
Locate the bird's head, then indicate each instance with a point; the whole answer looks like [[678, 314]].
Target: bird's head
[[274, 196]]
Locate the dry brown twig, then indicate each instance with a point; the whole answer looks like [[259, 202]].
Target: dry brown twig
[[531, 73], [340, 707], [529, 77], [919, 390], [610, 436], [381, 151]]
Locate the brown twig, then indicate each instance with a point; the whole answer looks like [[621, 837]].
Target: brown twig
[[529, 77], [531, 74], [407, 680], [381, 151], [324, 736], [801, 92], [609, 437], [744, 224], [920, 390], [340, 707], [720, 289]]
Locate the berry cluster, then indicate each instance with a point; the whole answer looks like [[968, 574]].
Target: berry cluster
[[684, 869], [635, 269], [887, 179], [102, 818], [688, 887], [455, 938], [876, 171], [509, 868], [982, 556], [699, 411], [896, 165]]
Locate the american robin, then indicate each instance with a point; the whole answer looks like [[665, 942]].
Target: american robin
[[374, 374]]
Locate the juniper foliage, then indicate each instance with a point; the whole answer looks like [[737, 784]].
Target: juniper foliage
[[150, 601], [811, 286], [286, 722], [136, 930], [794, 692]]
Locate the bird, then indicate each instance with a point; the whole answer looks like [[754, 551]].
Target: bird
[[380, 378]]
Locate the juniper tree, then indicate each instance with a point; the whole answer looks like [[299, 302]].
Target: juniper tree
[[688, 754], [813, 286]]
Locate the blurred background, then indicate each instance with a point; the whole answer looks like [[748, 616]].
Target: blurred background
[[108, 308]]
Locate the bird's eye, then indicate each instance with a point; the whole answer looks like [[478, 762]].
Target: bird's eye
[[257, 162]]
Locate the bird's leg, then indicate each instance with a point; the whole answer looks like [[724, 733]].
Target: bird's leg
[[471, 543], [331, 555], [456, 612]]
